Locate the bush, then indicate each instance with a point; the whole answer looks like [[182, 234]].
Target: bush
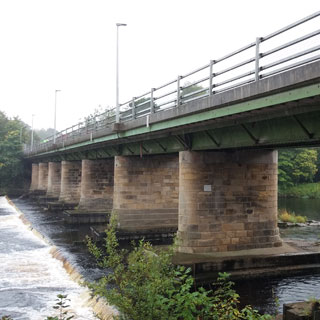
[[286, 216], [144, 284]]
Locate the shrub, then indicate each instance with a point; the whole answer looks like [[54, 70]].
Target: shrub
[[144, 284], [286, 216], [301, 219]]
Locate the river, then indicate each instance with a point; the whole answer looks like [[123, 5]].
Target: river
[[268, 295], [30, 278]]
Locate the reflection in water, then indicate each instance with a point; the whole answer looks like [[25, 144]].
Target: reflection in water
[[303, 207], [262, 293]]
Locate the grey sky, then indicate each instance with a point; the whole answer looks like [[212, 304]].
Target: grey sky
[[71, 45]]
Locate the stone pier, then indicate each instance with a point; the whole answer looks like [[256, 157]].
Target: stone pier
[[54, 180], [146, 192], [227, 201], [70, 182], [34, 177], [97, 185], [43, 176]]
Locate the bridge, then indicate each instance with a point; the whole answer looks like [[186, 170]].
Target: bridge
[[199, 153]]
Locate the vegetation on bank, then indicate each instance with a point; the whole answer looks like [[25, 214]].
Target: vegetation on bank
[[304, 190], [14, 134], [298, 173], [298, 165], [144, 284], [285, 216]]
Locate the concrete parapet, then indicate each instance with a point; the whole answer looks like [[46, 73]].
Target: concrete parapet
[[54, 180], [146, 192], [227, 201], [97, 185], [70, 181], [34, 177]]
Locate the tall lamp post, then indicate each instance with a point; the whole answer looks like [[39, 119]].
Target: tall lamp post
[[55, 115], [117, 74]]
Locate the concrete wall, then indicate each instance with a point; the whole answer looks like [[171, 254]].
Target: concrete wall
[[70, 181], [97, 185], [54, 179], [146, 192], [227, 201]]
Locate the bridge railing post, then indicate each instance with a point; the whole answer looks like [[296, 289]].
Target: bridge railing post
[[257, 67], [178, 91], [133, 109], [211, 77], [151, 101]]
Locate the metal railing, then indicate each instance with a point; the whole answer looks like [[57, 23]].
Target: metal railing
[[243, 66]]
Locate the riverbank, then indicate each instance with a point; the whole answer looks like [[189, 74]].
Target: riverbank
[[303, 190]]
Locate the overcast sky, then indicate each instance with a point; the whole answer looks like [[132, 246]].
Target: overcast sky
[[71, 45]]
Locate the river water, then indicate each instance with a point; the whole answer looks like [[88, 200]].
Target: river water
[[30, 278], [264, 293]]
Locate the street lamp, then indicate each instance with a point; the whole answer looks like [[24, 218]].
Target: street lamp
[[55, 115], [117, 74]]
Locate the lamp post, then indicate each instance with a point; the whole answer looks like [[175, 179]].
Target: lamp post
[[55, 116], [117, 74]]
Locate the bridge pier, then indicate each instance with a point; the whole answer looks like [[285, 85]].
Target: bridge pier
[[227, 201], [97, 185], [43, 178], [34, 177], [146, 192], [54, 180], [70, 182]]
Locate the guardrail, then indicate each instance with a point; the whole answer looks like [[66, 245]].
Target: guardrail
[[245, 65]]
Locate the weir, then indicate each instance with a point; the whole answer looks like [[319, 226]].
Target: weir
[[30, 278]]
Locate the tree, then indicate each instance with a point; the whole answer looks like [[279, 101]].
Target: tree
[[297, 166], [190, 88], [13, 133], [43, 134], [305, 166]]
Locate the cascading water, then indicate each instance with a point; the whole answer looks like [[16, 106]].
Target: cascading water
[[30, 278]]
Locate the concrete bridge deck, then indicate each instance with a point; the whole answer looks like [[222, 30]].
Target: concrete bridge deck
[[281, 110]]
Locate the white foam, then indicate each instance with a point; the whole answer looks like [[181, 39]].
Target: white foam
[[29, 272]]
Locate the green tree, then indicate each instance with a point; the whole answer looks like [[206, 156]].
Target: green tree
[[305, 166], [13, 133], [190, 91], [297, 166], [43, 134]]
